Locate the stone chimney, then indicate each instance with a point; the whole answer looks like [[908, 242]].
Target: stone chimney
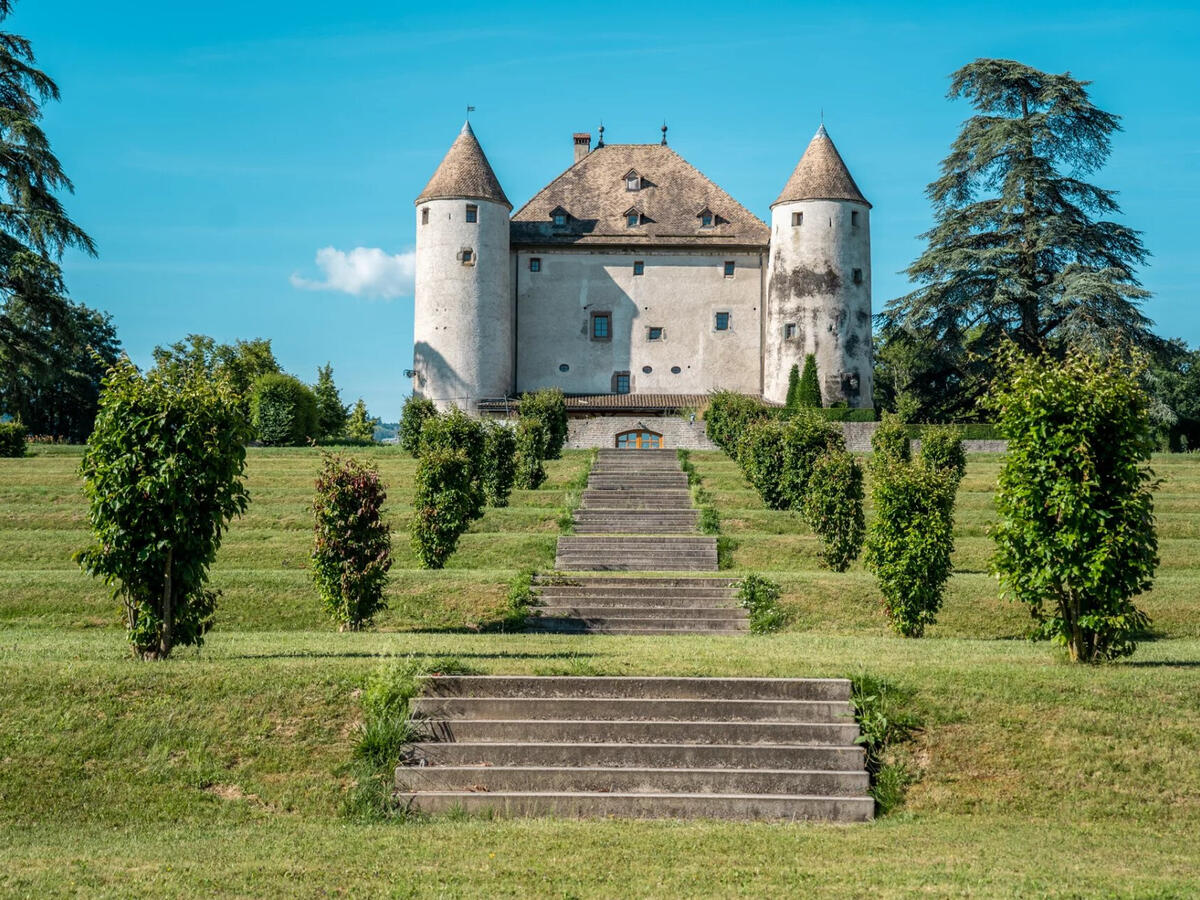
[[583, 145]]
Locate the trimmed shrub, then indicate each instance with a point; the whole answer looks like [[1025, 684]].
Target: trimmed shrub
[[845, 414], [942, 448], [728, 415], [443, 505], [530, 439], [499, 462], [352, 548], [793, 392], [805, 438], [1076, 541], [412, 420], [12, 439], [808, 393], [550, 406], [456, 431], [833, 506], [284, 411], [760, 453], [890, 439]]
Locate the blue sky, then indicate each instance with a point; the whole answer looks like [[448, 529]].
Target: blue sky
[[217, 148]]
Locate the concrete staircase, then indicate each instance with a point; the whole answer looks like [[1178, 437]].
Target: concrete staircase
[[636, 515], [722, 748]]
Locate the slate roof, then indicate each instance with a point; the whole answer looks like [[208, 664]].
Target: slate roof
[[672, 197], [464, 173], [821, 175]]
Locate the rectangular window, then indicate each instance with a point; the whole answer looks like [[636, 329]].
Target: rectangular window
[[721, 322], [425, 216], [706, 220], [857, 276], [620, 382], [535, 264], [639, 267], [854, 218], [729, 268], [797, 219], [789, 331], [632, 220], [560, 219], [468, 257], [472, 213], [601, 326], [655, 333]]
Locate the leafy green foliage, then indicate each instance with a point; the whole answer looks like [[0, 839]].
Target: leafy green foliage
[[360, 426], [531, 450], [1076, 541], [942, 448], [352, 547], [912, 537], [163, 477], [550, 406], [886, 717], [891, 440], [12, 439], [777, 456], [445, 502], [760, 596], [760, 451], [793, 391], [284, 411], [412, 420], [728, 415], [499, 462], [331, 412], [455, 431], [1173, 381], [808, 392], [833, 506], [242, 363], [1022, 249]]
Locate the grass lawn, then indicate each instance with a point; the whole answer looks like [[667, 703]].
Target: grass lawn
[[219, 771]]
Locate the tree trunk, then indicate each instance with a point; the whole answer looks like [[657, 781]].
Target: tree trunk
[[1029, 331], [167, 631]]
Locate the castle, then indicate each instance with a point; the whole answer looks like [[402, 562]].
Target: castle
[[633, 282]]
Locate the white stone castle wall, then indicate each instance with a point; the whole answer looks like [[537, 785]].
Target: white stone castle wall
[[810, 284], [601, 431], [680, 292], [463, 328]]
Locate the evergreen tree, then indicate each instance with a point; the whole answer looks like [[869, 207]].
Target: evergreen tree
[[1021, 250], [793, 392], [34, 226], [331, 412], [808, 392], [360, 426]]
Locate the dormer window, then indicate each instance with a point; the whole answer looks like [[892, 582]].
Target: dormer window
[[633, 181], [707, 218], [633, 217], [558, 216], [560, 219]]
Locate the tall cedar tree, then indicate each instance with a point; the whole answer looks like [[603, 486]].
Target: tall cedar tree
[[808, 393], [1022, 250], [34, 226], [793, 391], [332, 413]]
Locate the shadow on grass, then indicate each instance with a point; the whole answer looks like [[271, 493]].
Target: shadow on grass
[[360, 654], [1162, 663]]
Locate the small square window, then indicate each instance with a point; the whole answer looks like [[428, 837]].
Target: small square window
[[706, 220], [789, 331], [472, 213], [633, 220], [425, 216], [797, 219], [620, 382], [560, 218], [601, 326], [655, 333], [535, 264], [857, 276], [639, 267], [633, 181], [468, 257], [854, 218], [729, 268], [721, 322]]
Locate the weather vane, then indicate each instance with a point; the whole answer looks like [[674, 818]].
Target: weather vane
[[470, 109]]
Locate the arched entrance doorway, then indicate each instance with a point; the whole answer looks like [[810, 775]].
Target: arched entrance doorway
[[639, 439]]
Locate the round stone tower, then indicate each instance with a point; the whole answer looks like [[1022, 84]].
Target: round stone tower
[[819, 287], [464, 319]]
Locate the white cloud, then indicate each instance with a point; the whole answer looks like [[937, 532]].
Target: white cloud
[[363, 272]]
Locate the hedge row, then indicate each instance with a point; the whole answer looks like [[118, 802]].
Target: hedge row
[[12, 439]]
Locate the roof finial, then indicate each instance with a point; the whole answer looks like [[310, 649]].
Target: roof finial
[[470, 109], [600, 140], [664, 131]]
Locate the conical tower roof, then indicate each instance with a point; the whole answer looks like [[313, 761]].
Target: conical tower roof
[[821, 175], [464, 173]]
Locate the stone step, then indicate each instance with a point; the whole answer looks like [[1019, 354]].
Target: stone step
[[590, 609], [691, 541], [623, 564], [635, 755], [639, 592], [636, 624], [630, 529], [641, 731], [624, 581], [630, 780], [654, 806], [667, 687], [633, 709]]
